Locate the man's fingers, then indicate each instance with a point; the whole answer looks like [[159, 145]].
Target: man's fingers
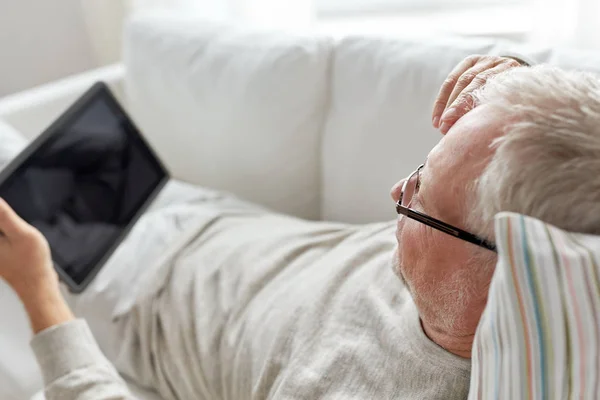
[[10, 223], [448, 86], [460, 107], [464, 101], [467, 78]]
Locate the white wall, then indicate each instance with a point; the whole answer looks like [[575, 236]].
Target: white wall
[[41, 40], [104, 19]]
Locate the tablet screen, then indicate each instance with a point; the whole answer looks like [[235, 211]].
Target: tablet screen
[[84, 184]]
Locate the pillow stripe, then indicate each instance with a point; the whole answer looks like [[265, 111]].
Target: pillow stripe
[[566, 382], [534, 293], [498, 360], [592, 292], [546, 295], [521, 302], [575, 311]]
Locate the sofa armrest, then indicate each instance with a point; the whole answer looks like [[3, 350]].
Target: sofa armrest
[[33, 110]]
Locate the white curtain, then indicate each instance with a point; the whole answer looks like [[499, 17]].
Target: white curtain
[[570, 23], [104, 18]]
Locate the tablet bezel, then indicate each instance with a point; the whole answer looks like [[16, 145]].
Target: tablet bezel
[[98, 90]]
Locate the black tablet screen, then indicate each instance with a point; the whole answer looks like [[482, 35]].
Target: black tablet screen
[[84, 184]]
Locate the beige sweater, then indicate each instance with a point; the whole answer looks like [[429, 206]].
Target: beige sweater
[[263, 306]]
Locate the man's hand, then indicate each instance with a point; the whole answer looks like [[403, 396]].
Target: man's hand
[[26, 265], [454, 99], [25, 260]]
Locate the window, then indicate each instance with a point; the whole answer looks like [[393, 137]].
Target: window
[[374, 6], [505, 19]]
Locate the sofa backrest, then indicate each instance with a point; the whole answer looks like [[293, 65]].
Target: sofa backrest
[[235, 110], [303, 124], [379, 127]]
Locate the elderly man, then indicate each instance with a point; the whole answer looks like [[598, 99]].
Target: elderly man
[[311, 310]]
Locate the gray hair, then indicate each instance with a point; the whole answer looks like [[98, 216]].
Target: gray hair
[[547, 163]]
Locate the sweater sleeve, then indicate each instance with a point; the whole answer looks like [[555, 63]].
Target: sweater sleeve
[[73, 367]]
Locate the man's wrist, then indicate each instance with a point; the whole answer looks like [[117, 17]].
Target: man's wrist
[[28, 287], [45, 305]]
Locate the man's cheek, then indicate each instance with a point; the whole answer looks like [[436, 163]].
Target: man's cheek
[[409, 250], [400, 222]]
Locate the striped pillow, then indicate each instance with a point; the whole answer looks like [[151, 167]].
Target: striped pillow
[[539, 336]]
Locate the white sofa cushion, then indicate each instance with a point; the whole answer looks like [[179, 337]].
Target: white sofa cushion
[[234, 110], [11, 143], [379, 128]]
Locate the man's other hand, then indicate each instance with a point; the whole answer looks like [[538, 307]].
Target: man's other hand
[[25, 261], [454, 99], [26, 265]]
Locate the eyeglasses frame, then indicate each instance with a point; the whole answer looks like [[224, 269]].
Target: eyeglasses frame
[[434, 222]]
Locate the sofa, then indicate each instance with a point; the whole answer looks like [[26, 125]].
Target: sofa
[[307, 125]]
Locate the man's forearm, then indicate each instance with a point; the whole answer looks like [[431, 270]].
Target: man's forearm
[[71, 362], [45, 306]]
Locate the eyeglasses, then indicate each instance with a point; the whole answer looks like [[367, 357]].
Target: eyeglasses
[[409, 188]]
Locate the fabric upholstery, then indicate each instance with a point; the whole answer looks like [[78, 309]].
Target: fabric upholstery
[[232, 109], [539, 336]]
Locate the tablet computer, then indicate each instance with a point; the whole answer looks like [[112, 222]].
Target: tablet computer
[[84, 183]]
